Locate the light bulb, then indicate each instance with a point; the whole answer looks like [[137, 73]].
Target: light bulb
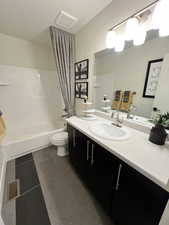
[[164, 28], [163, 32], [131, 27], [156, 17], [111, 39], [140, 36], [160, 18], [120, 43]]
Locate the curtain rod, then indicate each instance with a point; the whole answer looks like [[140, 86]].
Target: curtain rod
[[135, 14]]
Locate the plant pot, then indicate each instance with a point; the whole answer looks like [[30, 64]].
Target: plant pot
[[158, 135]]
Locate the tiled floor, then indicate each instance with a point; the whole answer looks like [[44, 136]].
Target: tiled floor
[[51, 193], [26, 173], [30, 206], [67, 199], [31, 209], [9, 207]]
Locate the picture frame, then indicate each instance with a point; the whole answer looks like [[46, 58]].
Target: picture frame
[[152, 78], [81, 90], [82, 70]]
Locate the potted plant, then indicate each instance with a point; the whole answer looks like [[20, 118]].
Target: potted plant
[[158, 133]]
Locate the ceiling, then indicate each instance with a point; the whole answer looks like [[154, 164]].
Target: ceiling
[[30, 19]]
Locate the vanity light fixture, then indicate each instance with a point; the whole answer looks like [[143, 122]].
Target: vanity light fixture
[[120, 43], [111, 39], [160, 18], [131, 28], [134, 29], [140, 36]]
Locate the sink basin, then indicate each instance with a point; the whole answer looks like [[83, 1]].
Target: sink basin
[[109, 131]]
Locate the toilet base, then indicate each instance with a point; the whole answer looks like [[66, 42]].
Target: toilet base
[[62, 151]]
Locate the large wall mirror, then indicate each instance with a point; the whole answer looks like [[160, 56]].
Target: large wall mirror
[[142, 69]]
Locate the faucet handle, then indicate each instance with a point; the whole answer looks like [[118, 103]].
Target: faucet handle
[[120, 118], [112, 115], [65, 115], [132, 107]]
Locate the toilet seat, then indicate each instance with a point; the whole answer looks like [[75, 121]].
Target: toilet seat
[[59, 138], [60, 141]]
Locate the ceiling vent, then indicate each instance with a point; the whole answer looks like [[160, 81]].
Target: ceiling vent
[[65, 20]]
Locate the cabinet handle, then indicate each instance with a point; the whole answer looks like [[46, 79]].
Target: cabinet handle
[[118, 177], [88, 145], [92, 158], [74, 138]]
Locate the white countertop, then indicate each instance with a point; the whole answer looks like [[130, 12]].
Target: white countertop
[[149, 159]]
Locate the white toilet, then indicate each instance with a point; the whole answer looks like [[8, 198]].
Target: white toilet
[[60, 140]]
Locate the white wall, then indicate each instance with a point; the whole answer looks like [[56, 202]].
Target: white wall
[[18, 52], [128, 70], [32, 97], [161, 100], [91, 38], [104, 80]]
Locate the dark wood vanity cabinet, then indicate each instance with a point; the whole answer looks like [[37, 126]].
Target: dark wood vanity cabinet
[[102, 174], [76, 149], [137, 200], [126, 195], [97, 167]]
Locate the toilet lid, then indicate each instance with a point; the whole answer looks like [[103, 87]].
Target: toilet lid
[[60, 136]]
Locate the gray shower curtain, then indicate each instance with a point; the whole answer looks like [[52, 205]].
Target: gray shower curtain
[[63, 45]]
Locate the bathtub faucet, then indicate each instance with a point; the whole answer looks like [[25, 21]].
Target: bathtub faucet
[[65, 115]]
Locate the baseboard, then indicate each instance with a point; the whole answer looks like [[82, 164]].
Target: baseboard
[[2, 186]]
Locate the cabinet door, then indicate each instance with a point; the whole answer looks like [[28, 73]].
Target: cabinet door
[[137, 200], [102, 175], [78, 151], [82, 152], [71, 144]]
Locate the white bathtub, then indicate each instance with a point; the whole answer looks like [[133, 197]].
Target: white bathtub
[[30, 140]]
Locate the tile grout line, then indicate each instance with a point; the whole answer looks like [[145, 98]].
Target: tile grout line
[[28, 191], [34, 187], [23, 162]]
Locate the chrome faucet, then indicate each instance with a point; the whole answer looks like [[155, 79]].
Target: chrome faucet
[[131, 108], [65, 116], [118, 122]]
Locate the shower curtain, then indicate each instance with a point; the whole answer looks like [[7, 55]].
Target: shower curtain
[[63, 44]]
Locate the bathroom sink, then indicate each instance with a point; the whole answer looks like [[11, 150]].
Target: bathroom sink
[[109, 131]]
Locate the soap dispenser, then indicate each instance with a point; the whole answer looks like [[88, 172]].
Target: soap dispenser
[[85, 99], [106, 107], [105, 97], [87, 111]]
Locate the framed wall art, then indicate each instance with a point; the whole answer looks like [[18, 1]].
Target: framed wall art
[[82, 70], [152, 78], [81, 89]]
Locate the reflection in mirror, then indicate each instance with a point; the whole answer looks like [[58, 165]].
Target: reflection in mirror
[[138, 76]]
